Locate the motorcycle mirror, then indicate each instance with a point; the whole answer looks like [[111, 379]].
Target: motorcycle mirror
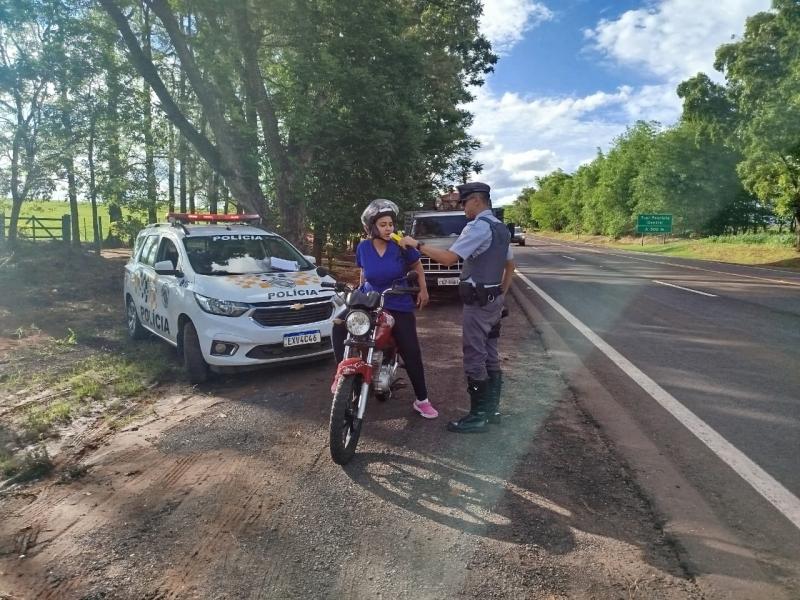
[[322, 272]]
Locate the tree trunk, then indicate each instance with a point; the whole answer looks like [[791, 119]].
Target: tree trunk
[[226, 197], [171, 169], [149, 144], [320, 237], [212, 192], [92, 184]]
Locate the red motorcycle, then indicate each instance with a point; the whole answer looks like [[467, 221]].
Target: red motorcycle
[[369, 365]]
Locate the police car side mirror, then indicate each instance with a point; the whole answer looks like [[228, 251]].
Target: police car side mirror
[[310, 259], [322, 272], [165, 267]]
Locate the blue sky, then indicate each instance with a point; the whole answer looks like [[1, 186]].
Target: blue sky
[[574, 73]]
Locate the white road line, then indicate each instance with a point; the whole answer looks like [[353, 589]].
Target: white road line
[[567, 257], [787, 503], [685, 288]]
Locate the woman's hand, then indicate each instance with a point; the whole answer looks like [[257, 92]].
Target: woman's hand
[[422, 298]]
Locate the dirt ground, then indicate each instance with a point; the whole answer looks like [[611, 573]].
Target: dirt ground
[[227, 490]]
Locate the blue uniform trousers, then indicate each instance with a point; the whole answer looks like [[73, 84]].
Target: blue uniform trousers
[[481, 332]]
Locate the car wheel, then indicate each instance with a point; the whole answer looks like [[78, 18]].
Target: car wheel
[[135, 329], [522, 243], [193, 361]]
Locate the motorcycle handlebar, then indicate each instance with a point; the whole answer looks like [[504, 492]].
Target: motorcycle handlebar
[[401, 291]]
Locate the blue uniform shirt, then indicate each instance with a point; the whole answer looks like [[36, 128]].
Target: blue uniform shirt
[[476, 238], [381, 271]]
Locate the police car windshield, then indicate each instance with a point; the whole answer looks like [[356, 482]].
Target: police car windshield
[[439, 226], [239, 254]]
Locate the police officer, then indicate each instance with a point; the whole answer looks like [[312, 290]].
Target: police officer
[[484, 246]]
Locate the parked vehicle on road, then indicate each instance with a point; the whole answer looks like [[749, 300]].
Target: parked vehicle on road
[[227, 293], [517, 234], [440, 228], [369, 365]]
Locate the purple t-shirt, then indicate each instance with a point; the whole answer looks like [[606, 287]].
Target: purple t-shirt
[[381, 271]]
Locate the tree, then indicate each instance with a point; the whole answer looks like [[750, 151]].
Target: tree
[[692, 177], [763, 76], [614, 194], [311, 89], [547, 203], [26, 45]]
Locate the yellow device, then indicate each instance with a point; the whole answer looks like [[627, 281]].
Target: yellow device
[[396, 237]]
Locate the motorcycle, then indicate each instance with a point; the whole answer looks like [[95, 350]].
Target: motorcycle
[[369, 365]]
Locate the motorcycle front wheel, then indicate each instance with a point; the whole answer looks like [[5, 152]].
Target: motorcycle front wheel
[[345, 426]]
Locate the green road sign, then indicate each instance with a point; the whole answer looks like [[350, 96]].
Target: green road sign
[[653, 223]]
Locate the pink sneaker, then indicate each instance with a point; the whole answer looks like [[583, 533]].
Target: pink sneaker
[[425, 408]]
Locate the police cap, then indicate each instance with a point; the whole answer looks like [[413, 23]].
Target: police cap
[[466, 189]]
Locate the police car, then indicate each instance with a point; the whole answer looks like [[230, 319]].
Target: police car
[[227, 293]]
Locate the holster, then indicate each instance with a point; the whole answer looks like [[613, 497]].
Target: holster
[[477, 294], [466, 291]]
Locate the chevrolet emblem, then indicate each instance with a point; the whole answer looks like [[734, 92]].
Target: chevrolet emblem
[[297, 306]]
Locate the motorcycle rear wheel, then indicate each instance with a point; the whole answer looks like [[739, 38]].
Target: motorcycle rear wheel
[[345, 426]]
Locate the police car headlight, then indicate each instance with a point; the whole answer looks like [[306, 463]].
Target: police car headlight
[[226, 308], [358, 322]]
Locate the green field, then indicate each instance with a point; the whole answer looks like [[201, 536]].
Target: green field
[[52, 209]]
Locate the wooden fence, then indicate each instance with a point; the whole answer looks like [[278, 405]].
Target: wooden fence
[[35, 228]]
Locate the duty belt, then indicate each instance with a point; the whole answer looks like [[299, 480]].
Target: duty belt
[[478, 294]]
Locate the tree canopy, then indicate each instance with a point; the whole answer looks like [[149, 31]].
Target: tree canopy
[[299, 110]]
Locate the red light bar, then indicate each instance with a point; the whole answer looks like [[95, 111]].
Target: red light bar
[[210, 218]]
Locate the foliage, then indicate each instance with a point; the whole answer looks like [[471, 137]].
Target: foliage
[[763, 74], [126, 229]]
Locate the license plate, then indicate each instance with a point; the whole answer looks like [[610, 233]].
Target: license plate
[[300, 339], [448, 281]]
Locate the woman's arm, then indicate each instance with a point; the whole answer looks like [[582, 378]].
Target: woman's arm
[[422, 297]]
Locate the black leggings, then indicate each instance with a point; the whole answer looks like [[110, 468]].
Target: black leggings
[[405, 335]]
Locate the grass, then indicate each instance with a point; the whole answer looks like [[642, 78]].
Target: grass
[[33, 464], [762, 249], [52, 209], [100, 380]]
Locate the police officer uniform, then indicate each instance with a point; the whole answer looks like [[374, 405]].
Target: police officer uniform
[[484, 246]]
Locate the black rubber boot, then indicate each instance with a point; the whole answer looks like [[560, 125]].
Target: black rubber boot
[[475, 421], [495, 387]]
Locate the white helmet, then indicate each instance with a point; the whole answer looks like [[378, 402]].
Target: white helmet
[[376, 209]]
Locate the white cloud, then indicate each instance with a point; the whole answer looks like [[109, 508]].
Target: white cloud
[[505, 22], [523, 138], [673, 39]]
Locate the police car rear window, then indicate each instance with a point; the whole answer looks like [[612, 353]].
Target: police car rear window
[[238, 254]]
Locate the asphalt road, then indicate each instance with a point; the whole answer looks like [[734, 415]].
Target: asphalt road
[[721, 340]]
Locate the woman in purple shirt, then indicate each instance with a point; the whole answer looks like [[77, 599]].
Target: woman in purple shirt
[[382, 262]]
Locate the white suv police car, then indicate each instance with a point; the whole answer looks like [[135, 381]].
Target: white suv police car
[[227, 293]]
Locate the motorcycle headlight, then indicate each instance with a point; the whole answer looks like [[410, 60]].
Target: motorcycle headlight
[[357, 322], [226, 308]]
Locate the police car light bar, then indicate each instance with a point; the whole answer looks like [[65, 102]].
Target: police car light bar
[[210, 218]]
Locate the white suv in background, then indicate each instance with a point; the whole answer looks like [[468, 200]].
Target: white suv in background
[[227, 294]]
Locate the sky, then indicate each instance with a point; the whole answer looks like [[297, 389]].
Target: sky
[[573, 74]]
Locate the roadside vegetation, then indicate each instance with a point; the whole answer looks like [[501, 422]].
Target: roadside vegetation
[[65, 361], [759, 249]]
